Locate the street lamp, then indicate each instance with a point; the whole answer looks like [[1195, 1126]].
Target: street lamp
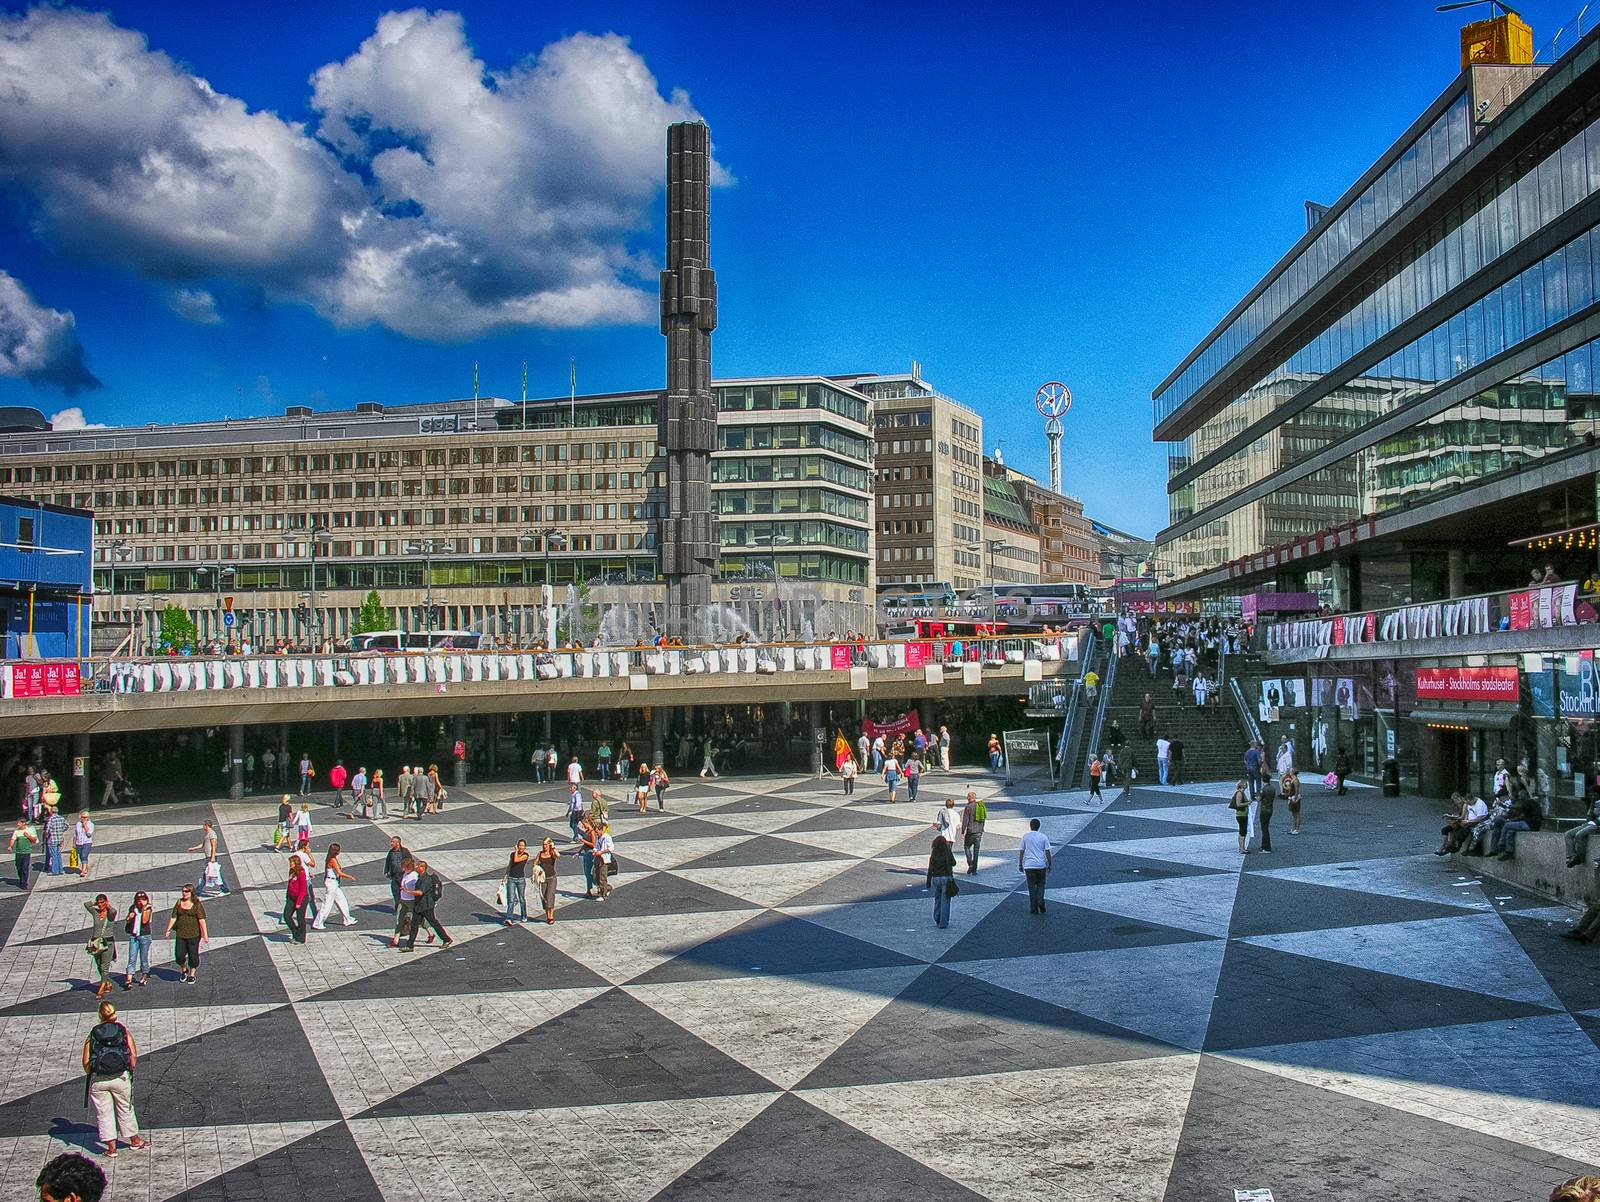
[[122, 550], [319, 534], [218, 573], [427, 548], [991, 545]]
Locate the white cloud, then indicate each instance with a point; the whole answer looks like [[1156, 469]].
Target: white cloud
[[194, 304], [435, 197], [39, 344], [72, 419]]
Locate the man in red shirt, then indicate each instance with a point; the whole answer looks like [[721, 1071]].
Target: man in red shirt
[[337, 777]]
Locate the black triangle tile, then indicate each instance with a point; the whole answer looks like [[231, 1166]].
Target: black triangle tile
[[763, 849], [504, 838], [654, 893], [327, 1161], [1266, 997], [773, 944], [455, 814], [1268, 905], [849, 818], [1075, 865], [1116, 828], [124, 885], [1009, 929], [872, 881], [946, 1024], [515, 957], [1231, 1105], [1566, 965], [238, 974], [257, 1070], [174, 843], [838, 1162], [356, 834], [10, 909], [670, 827], [610, 1050]]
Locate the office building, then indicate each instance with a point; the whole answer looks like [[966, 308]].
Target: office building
[[45, 595], [1012, 542], [455, 511], [1069, 552]]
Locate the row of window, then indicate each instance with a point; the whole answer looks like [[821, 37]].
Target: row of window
[[791, 500], [807, 532], [757, 469], [797, 436], [903, 420], [1547, 180], [1408, 175], [761, 398]]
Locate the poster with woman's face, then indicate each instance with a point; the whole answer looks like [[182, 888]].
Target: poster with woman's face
[[1294, 692]]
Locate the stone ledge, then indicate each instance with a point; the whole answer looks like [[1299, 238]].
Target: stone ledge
[[1540, 867]]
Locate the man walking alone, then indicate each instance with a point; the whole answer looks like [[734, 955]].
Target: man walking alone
[[1034, 859]]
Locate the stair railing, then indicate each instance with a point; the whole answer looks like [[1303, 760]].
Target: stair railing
[[1106, 685], [1242, 707]]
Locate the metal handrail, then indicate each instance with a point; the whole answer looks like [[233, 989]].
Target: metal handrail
[[1106, 686], [1243, 708]]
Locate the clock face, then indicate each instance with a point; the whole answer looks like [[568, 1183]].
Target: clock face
[[1052, 399]]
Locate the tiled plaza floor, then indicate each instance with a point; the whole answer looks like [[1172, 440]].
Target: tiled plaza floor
[[764, 1011]]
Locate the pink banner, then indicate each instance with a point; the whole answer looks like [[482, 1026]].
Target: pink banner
[[71, 682], [899, 726], [841, 657], [1521, 611], [916, 655]]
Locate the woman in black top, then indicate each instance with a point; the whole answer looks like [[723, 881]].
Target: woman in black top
[[941, 880], [517, 883]]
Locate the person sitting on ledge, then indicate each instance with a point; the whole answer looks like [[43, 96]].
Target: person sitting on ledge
[[1459, 825], [1525, 816], [1480, 840]]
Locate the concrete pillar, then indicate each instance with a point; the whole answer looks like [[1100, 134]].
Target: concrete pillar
[[288, 761], [818, 737], [335, 726], [235, 763], [925, 708], [548, 732], [80, 780], [1456, 558], [494, 743], [658, 735], [458, 734]]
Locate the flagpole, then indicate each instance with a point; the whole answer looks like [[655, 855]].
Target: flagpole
[[474, 396], [524, 394], [572, 398]]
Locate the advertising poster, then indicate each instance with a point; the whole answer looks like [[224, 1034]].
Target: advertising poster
[[916, 655], [841, 657], [1468, 684], [1294, 692], [1344, 697], [1271, 699], [1521, 611]]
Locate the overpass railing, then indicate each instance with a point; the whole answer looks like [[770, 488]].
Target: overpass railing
[[183, 674]]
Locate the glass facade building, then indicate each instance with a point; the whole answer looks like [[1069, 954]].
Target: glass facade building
[[1429, 339]]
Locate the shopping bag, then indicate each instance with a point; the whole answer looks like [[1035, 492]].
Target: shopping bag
[[72, 857], [1331, 781]]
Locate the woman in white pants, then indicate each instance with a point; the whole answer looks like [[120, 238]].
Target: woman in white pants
[[332, 894]]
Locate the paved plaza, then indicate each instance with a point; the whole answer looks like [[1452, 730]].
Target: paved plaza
[[764, 1010]]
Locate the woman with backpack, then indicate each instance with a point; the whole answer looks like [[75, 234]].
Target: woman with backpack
[[141, 917], [102, 947], [1240, 803], [109, 1055]]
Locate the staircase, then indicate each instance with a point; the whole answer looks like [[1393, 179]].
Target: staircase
[[1213, 740]]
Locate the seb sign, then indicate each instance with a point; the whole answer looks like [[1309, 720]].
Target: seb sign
[[1467, 684]]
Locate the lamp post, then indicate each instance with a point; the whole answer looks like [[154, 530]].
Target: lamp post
[[218, 573], [427, 548], [122, 550], [990, 545], [319, 534]]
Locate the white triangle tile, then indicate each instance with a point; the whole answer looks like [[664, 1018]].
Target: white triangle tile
[[760, 822], [373, 1049], [766, 884], [996, 869], [623, 950], [55, 1041], [670, 853], [770, 1024], [1531, 1082], [339, 955], [1218, 817], [905, 925], [1113, 1129], [1217, 851], [627, 1152], [1165, 992], [1474, 952], [1191, 903], [1419, 878], [33, 971], [180, 1160], [862, 842], [1060, 829]]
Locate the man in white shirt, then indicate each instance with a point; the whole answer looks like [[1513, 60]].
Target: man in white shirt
[[1163, 757], [1034, 859], [574, 771], [604, 857]]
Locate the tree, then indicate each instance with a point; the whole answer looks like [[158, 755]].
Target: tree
[[177, 630], [374, 616]]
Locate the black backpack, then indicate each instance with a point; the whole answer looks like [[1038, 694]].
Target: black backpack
[[108, 1050], [435, 886]]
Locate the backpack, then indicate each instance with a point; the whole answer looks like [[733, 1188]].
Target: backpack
[[980, 812], [108, 1050], [435, 886]]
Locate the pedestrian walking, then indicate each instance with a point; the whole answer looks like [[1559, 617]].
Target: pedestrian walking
[[1131, 775], [1096, 770], [1175, 761], [269, 767], [944, 748], [996, 755], [1341, 769], [708, 766], [891, 776], [641, 789], [337, 777], [283, 836], [1263, 815], [436, 791], [109, 1058], [308, 770], [1147, 716], [211, 870], [973, 816], [1254, 760], [847, 773], [359, 798], [376, 802], [516, 883], [408, 793], [1285, 762], [947, 822], [295, 898], [138, 925], [83, 841], [1034, 859], [941, 880], [333, 897], [302, 823], [588, 835], [187, 926], [55, 833], [605, 861], [1289, 790], [405, 912], [575, 808], [422, 793], [394, 868], [913, 770], [545, 864], [23, 840], [70, 1178], [102, 945], [536, 761], [660, 779], [430, 889]]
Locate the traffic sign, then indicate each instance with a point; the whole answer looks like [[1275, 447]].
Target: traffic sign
[[228, 618], [227, 605]]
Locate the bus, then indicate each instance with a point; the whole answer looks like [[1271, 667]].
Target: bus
[[393, 642]]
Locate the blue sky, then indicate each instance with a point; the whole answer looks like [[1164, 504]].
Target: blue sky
[[1070, 192]]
